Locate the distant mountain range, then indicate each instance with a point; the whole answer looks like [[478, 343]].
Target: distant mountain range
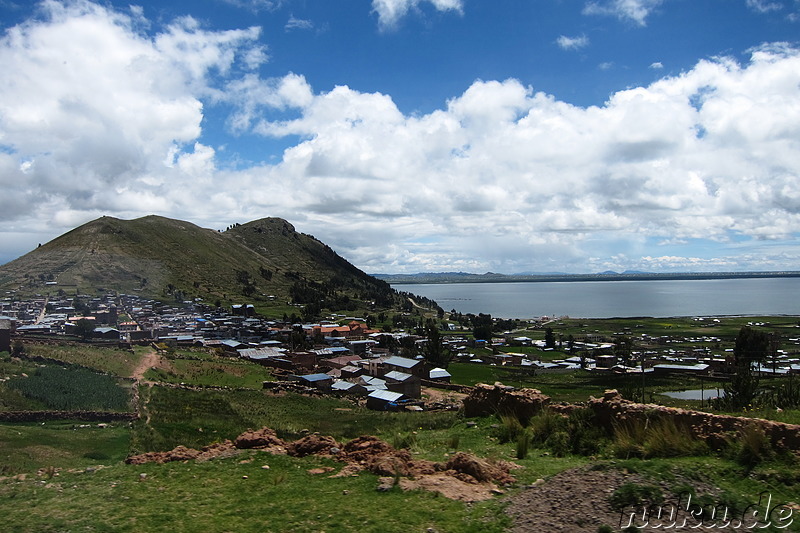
[[628, 275], [170, 259]]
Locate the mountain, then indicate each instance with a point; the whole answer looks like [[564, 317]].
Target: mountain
[[162, 258]]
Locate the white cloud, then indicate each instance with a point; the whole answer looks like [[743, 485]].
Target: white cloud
[[255, 5], [764, 6], [298, 24], [657, 65], [635, 11], [499, 178], [572, 43], [95, 108], [390, 12]]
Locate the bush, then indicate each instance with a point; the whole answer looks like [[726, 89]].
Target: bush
[[634, 495], [752, 447], [659, 437], [523, 441], [666, 439], [510, 429]]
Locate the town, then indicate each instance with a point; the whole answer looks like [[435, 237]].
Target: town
[[345, 356]]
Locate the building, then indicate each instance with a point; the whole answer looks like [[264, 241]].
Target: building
[[5, 335], [415, 367], [385, 400]]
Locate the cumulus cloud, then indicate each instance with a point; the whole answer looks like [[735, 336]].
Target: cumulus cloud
[[96, 109], [572, 43], [390, 12], [635, 11], [500, 177]]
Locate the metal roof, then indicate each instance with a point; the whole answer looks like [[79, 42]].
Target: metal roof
[[315, 377], [386, 395], [402, 362], [398, 376], [439, 373]]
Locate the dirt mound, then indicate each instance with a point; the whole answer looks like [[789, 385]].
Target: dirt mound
[[180, 453], [479, 470], [262, 438], [313, 445], [464, 477], [218, 450], [362, 448]]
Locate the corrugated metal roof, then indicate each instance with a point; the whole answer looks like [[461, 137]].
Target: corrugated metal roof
[[315, 377], [438, 373], [402, 362], [386, 395], [398, 376]]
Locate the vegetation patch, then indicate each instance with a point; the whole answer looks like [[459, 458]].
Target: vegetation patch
[[72, 389]]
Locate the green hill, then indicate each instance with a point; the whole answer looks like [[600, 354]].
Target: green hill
[[263, 261]]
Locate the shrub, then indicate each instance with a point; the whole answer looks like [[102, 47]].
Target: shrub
[[544, 425], [404, 440], [523, 441], [510, 429], [666, 439], [453, 441], [634, 495], [659, 437], [752, 447]]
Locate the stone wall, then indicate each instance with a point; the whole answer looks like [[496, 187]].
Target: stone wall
[[88, 416], [612, 409], [714, 429], [485, 400]]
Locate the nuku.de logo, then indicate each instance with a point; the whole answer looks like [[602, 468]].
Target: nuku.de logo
[[691, 515]]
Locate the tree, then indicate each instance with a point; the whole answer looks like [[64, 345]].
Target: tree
[[435, 351], [752, 346], [549, 338], [84, 328], [482, 327]]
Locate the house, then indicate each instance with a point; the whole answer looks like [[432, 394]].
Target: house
[[5, 335], [385, 400], [318, 381], [106, 333], [339, 362], [346, 387], [439, 374], [406, 384], [351, 371], [414, 367]]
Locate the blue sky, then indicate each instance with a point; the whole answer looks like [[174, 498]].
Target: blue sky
[[416, 135]]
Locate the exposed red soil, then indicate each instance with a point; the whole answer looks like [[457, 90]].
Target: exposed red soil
[[463, 477]]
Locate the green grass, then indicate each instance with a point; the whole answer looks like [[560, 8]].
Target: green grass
[[575, 385], [198, 417], [26, 447], [113, 361], [216, 497], [202, 369]]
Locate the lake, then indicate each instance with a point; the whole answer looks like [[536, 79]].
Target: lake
[[607, 299]]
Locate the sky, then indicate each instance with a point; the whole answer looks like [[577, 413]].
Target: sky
[[511, 136]]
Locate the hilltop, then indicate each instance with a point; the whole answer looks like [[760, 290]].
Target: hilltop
[[265, 260]]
